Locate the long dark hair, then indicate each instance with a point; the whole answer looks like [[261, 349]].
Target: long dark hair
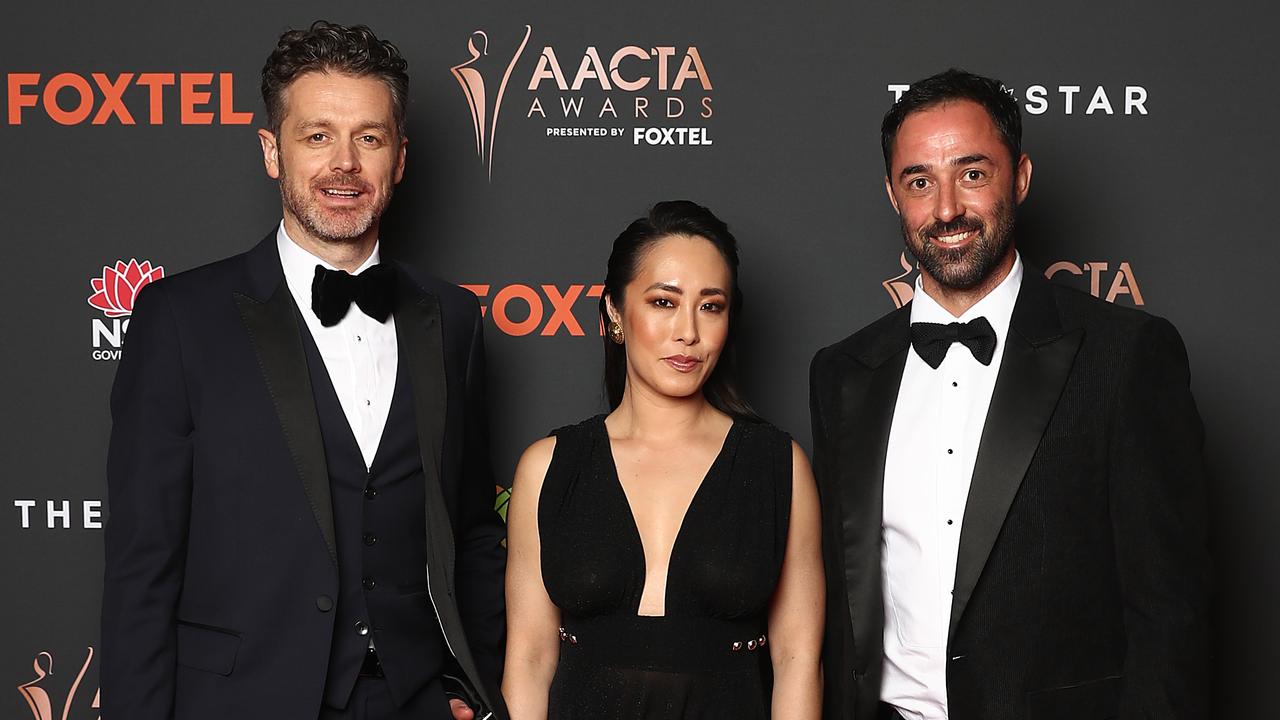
[[675, 217]]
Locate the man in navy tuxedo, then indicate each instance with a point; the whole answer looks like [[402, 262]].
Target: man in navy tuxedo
[[302, 521], [1012, 472]]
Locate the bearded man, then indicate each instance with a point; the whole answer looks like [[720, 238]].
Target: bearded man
[[302, 520], [1012, 472]]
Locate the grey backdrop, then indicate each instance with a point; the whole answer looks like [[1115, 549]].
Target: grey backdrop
[[1184, 194]]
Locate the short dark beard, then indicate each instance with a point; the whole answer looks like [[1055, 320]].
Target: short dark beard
[[968, 267]]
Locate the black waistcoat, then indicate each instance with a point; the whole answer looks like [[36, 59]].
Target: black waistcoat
[[380, 523]]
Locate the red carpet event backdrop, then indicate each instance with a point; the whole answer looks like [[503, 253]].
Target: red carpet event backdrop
[[538, 131]]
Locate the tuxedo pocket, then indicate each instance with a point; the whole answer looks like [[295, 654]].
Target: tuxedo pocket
[[207, 648], [1092, 700]]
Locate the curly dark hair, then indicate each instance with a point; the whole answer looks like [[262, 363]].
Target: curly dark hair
[[949, 86], [329, 47]]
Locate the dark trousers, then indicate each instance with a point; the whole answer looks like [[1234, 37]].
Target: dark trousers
[[371, 700]]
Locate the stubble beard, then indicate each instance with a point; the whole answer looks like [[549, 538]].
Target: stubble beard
[[332, 226], [967, 267]]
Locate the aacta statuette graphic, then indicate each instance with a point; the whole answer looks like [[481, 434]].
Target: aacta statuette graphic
[[900, 287], [37, 696], [472, 75]]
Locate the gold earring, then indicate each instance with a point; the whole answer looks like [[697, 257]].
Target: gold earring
[[615, 332]]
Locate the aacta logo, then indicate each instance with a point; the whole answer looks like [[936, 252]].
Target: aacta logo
[[649, 85], [42, 691], [113, 294], [485, 100], [1122, 281], [1118, 281], [127, 99]]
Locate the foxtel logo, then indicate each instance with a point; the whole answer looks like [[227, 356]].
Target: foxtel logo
[[73, 99], [546, 309]]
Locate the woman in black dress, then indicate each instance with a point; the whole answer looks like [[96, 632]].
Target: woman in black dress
[[664, 559]]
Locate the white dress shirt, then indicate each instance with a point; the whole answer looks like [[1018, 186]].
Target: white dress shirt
[[933, 443], [359, 352]]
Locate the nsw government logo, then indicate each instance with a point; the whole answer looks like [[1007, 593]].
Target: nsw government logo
[[639, 95], [113, 293]]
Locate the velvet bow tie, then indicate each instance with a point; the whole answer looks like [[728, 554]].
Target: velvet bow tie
[[932, 340], [333, 291]]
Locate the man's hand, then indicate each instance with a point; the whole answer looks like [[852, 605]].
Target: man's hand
[[460, 710]]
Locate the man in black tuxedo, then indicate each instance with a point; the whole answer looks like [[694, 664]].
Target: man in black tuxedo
[[302, 520], [1012, 472]]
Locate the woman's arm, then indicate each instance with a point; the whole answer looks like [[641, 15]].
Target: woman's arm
[[796, 616], [533, 640]]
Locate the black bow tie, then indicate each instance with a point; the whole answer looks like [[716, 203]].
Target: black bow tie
[[333, 291], [932, 340]]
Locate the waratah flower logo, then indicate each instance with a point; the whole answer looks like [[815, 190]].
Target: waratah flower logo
[[114, 292]]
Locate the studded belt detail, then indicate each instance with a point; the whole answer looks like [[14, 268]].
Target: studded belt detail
[[663, 643]]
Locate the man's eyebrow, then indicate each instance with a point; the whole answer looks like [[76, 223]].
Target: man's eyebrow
[[324, 123], [973, 159], [314, 124]]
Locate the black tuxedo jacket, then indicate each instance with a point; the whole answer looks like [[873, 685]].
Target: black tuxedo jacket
[[221, 567], [1083, 576]]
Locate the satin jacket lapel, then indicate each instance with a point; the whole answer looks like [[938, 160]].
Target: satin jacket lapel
[[420, 333], [1037, 359], [861, 440], [268, 313]]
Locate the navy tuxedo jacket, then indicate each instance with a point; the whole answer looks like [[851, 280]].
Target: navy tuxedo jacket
[[1083, 575], [221, 569]]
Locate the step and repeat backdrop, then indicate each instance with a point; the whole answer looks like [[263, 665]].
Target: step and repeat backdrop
[[537, 132]]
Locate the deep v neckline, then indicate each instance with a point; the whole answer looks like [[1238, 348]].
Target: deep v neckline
[[729, 438]]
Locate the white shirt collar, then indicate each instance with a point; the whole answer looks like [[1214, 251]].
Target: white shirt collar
[[996, 306], [300, 266]]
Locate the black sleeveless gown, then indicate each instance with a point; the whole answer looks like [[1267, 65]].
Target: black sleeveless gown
[[707, 657]]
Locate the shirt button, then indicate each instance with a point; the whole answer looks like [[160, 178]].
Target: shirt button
[[362, 628], [950, 451], [955, 384], [324, 603], [368, 403], [370, 539], [370, 493], [950, 521], [370, 583], [358, 338]]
